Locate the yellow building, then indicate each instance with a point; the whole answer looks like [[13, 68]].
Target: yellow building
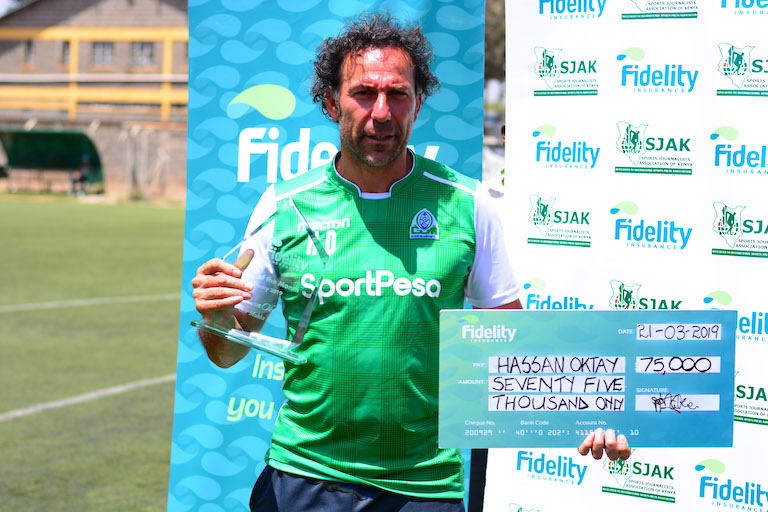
[[114, 69]]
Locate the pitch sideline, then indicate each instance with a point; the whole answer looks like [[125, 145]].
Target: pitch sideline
[[86, 397], [98, 301]]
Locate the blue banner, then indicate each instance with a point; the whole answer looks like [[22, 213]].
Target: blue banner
[[252, 123]]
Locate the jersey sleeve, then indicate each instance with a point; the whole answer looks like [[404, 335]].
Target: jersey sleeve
[[261, 272], [491, 282]]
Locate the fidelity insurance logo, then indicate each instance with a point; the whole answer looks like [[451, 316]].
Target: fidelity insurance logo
[[537, 300], [569, 76], [745, 7], [627, 296], [740, 493], [659, 77], [747, 74], [558, 227], [658, 9], [563, 154], [752, 326], [745, 159], [645, 480], [655, 154], [561, 469], [743, 235], [571, 9], [648, 234]]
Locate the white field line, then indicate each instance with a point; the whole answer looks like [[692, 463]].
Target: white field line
[[86, 397], [98, 301]]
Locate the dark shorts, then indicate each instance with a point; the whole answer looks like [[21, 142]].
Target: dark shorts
[[277, 491]]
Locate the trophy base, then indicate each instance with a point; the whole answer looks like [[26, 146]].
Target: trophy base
[[274, 346]]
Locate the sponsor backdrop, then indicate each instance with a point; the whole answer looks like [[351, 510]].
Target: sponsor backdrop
[[636, 179], [252, 123]]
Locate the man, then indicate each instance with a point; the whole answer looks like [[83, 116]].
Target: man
[[359, 427]]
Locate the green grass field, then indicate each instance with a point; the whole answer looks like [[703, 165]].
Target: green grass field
[[110, 453]]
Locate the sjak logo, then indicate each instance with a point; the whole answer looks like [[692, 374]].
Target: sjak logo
[[541, 213], [631, 140], [751, 393], [619, 470], [547, 65], [572, 225], [735, 63], [551, 68], [634, 143], [623, 296], [424, 225], [728, 223], [623, 471], [628, 297]]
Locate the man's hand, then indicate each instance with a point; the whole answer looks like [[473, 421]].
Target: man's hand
[[615, 448], [217, 287]]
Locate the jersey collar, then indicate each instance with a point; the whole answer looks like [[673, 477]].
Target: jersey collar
[[415, 173]]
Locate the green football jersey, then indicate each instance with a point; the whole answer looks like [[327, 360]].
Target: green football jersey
[[363, 408]]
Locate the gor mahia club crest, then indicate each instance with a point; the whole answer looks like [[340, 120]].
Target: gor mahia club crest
[[624, 297], [727, 223], [424, 225], [631, 140], [547, 65], [735, 63]]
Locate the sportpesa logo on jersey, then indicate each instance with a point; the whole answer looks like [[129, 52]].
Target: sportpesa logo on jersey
[[424, 225], [373, 284]]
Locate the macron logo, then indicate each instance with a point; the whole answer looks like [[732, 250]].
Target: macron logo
[[488, 334]]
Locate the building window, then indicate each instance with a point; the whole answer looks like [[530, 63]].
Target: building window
[[142, 54], [103, 53], [65, 52], [29, 52]]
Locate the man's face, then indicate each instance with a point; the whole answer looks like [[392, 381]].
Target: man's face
[[376, 105]]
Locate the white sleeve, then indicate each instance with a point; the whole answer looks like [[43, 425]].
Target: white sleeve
[[491, 282], [261, 271]]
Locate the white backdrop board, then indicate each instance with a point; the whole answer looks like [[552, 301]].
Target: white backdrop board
[[636, 176]]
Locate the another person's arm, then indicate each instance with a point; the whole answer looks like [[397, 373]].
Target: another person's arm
[[600, 440]]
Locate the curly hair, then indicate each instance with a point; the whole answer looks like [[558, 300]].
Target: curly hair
[[371, 30]]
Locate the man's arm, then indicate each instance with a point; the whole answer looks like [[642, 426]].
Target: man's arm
[[515, 304]]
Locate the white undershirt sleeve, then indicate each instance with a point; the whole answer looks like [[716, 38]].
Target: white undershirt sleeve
[[491, 282]]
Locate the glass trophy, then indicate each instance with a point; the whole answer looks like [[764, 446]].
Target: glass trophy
[[276, 253]]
